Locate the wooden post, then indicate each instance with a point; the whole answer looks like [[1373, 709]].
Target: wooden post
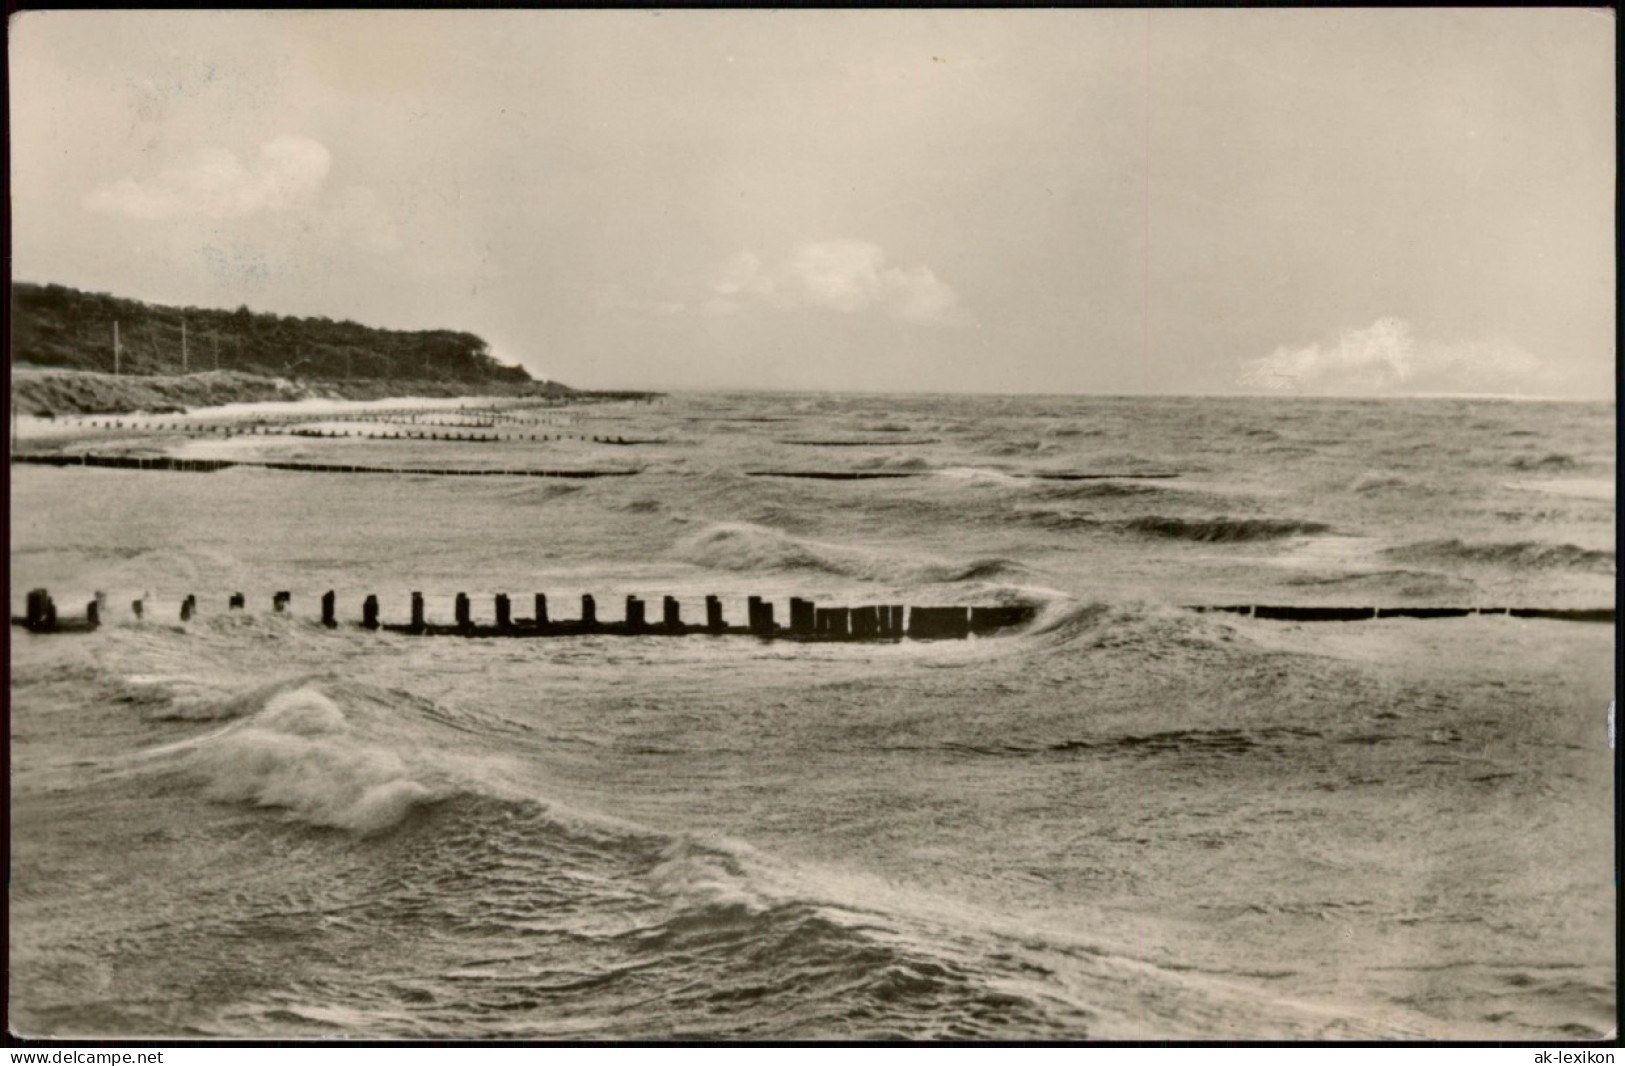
[[237, 601], [541, 610], [93, 614], [865, 621], [761, 617], [753, 613], [589, 611], [279, 602], [186, 609], [939, 623], [503, 619], [329, 612], [369, 612], [634, 613], [984, 620], [713, 615], [803, 616], [673, 613], [463, 621], [417, 612]]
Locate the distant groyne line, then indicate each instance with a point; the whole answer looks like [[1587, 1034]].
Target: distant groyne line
[[1364, 614], [1158, 475], [807, 621], [884, 442], [868, 475], [836, 475], [164, 462], [419, 431], [209, 466]]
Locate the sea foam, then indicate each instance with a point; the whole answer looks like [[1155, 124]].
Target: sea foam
[[300, 754]]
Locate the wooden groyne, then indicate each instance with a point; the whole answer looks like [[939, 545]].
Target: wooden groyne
[[414, 434], [807, 622], [1366, 614], [835, 475], [40, 615], [209, 466], [1154, 476], [881, 442], [868, 475]]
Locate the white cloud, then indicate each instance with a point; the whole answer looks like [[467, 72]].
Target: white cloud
[[214, 183], [743, 274], [1386, 358], [848, 276], [917, 295], [841, 275]]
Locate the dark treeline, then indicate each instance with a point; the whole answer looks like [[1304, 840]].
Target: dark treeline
[[56, 326]]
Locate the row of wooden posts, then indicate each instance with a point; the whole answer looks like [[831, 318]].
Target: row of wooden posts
[[168, 462], [209, 466], [417, 416], [1298, 613], [333, 434], [807, 620]]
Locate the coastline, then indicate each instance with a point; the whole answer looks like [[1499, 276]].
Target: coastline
[[49, 392]]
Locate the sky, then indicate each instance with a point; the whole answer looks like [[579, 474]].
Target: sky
[[1310, 201]]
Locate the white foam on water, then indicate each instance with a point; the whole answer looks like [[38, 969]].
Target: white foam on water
[[978, 473], [301, 754], [1584, 488]]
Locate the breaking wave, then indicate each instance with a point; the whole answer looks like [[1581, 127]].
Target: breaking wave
[[1096, 490], [1377, 481], [293, 748], [1222, 529], [698, 923], [744, 547], [1524, 554], [1551, 461]]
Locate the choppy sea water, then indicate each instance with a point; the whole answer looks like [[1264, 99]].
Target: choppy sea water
[[1128, 820]]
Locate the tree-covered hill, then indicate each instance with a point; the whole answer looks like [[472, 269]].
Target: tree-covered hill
[[57, 326]]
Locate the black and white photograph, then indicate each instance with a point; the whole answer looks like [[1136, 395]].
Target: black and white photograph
[[736, 525]]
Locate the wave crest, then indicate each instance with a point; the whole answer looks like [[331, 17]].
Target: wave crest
[[1523, 554], [1223, 529], [300, 753], [741, 546]]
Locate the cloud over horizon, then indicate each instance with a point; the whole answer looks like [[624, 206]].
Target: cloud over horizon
[[1386, 358], [288, 171], [849, 276]]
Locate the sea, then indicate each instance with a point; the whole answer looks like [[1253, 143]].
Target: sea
[[1125, 820]]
